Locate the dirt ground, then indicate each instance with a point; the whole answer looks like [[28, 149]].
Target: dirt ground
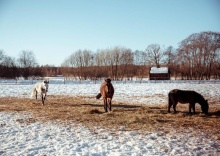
[[90, 112]]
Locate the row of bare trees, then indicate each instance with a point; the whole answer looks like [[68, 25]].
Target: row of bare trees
[[197, 57], [24, 66], [116, 63]]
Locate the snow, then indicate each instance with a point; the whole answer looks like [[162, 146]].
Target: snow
[[154, 70], [20, 137], [149, 93]]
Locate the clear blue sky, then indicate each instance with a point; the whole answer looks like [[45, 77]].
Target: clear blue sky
[[54, 29]]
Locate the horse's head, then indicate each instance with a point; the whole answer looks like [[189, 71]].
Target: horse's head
[[205, 106], [45, 85], [108, 80]]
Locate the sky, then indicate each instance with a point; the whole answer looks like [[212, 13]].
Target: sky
[[54, 29]]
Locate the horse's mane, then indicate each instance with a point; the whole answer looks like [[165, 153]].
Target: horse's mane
[[200, 97]]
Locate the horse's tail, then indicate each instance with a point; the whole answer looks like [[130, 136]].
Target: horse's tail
[[98, 96], [33, 92], [169, 101]]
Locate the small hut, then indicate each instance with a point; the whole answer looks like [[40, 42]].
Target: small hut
[[162, 73]]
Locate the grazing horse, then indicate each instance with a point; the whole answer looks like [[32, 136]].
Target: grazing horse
[[187, 96], [42, 89], [107, 92]]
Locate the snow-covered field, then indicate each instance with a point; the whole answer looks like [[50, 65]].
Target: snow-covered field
[[129, 92], [20, 137]]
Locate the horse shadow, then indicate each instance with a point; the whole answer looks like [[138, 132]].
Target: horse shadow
[[215, 114], [115, 106]]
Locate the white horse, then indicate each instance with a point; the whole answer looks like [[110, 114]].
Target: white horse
[[42, 89]]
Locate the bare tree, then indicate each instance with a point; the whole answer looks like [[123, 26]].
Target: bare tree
[[26, 60], [140, 64], [102, 61], [171, 60], [125, 63], [155, 54], [8, 66], [2, 55], [79, 61], [140, 57], [115, 58], [216, 69], [170, 55], [200, 51]]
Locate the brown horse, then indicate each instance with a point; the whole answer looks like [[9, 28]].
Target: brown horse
[[107, 92], [187, 96]]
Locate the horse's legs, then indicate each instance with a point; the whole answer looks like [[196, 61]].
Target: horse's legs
[[174, 106], [169, 103], [42, 98], [105, 104], [45, 96], [189, 108], [172, 102], [36, 96], [193, 108], [110, 104]]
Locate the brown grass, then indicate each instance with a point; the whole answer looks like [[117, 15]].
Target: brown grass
[[90, 112]]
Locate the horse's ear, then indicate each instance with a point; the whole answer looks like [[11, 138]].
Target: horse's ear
[[46, 81], [108, 80]]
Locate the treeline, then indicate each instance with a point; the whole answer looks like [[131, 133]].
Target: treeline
[[197, 57], [24, 66]]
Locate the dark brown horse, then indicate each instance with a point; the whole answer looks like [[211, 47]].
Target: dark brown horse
[[107, 92], [187, 96]]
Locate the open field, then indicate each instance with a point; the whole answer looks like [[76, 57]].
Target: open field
[[126, 116], [73, 122]]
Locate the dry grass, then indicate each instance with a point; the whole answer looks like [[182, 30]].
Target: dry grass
[[90, 112]]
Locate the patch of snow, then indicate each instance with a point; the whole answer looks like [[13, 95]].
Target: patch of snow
[[19, 137], [154, 70]]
